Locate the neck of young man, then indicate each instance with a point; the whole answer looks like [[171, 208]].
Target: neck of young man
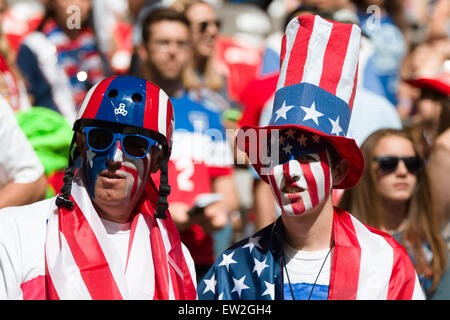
[[312, 230], [173, 87]]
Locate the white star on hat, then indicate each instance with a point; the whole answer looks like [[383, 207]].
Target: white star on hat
[[287, 148], [312, 113], [227, 259], [336, 128], [259, 266], [270, 290], [239, 285], [210, 284], [281, 113]]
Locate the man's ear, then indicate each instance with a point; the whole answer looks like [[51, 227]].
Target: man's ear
[[142, 52], [80, 140], [340, 171]]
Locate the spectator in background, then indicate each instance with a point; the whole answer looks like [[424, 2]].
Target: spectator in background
[[203, 71], [204, 31], [394, 195], [383, 22], [12, 86], [22, 179], [201, 160], [60, 61], [431, 127]]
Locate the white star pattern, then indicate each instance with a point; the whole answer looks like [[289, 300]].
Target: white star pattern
[[227, 259], [220, 296], [287, 148], [239, 285], [336, 128], [253, 242], [270, 290], [259, 266], [281, 113], [312, 113], [302, 140], [210, 284]]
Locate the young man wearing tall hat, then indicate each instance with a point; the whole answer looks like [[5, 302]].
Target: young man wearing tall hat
[[108, 235], [314, 250]]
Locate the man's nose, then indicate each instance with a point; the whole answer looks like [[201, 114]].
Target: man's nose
[[115, 156], [290, 172]]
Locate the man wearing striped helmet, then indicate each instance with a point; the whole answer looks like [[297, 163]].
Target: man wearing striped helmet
[[314, 250], [108, 234]]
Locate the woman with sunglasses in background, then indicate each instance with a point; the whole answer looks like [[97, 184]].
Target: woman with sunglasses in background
[[394, 196]]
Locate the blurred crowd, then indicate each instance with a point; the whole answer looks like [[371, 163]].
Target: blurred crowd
[[221, 71]]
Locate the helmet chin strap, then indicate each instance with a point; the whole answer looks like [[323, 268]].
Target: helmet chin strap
[[63, 199], [164, 189]]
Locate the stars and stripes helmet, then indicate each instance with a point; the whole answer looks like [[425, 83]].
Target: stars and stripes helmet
[[132, 101], [315, 91], [129, 101]]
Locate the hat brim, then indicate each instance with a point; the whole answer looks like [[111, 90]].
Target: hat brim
[[436, 84], [346, 147]]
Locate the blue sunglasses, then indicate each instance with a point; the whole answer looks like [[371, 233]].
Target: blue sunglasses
[[135, 146]]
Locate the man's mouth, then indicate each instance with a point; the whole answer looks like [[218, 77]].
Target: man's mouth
[[292, 189], [111, 175]]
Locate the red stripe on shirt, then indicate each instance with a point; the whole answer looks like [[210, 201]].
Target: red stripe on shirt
[[88, 255], [345, 274]]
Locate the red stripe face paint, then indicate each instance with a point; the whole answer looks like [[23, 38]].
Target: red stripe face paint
[[301, 184]]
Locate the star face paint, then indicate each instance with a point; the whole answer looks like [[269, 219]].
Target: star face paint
[[301, 177], [112, 176]]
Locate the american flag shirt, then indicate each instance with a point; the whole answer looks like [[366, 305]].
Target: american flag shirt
[[366, 264]]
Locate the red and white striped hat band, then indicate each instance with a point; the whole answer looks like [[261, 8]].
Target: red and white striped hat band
[[130, 101]]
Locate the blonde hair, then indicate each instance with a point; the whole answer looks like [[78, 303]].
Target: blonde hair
[[422, 221]]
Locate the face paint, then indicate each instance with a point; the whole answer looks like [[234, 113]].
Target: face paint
[[113, 162], [301, 179]]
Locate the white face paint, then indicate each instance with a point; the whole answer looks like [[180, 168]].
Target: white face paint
[[301, 184]]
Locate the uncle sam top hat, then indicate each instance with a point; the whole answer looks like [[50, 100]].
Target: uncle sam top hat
[[315, 91]]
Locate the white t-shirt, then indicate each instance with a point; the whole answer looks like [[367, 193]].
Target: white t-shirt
[[22, 248], [303, 268], [119, 234], [18, 160]]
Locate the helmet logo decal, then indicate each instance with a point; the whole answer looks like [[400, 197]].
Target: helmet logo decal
[[121, 109]]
